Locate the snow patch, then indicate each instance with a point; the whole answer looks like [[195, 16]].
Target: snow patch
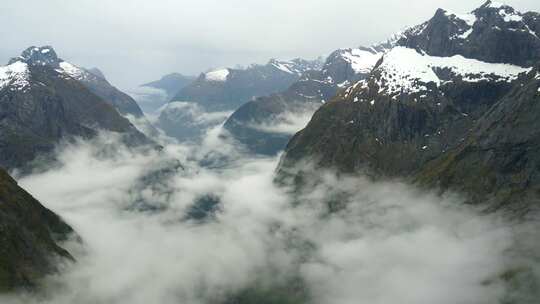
[[217, 75], [15, 76], [510, 16], [404, 70], [72, 70], [361, 61]]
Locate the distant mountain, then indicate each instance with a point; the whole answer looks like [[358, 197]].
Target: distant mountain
[[171, 83], [154, 95], [226, 89], [209, 100], [452, 104], [92, 79], [300, 100], [188, 121], [29, 238], [43, 100]]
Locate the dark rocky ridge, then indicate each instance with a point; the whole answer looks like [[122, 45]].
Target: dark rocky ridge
[[29, 236]]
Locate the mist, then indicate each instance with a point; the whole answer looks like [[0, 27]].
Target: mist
[[388, 242]]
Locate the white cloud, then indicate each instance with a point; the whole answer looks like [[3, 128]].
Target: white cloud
[[392, 243]]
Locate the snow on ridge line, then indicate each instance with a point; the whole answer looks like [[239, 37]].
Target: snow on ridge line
[[71, 70], [470, 18], [15, 75], [405, 70], [283, 66], [361, 61], [217, 75]]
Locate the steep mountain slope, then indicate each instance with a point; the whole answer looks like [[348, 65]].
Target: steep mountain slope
[[29, 234], [500, 158], [92, 79], [227, 89], [423, 98], [294, 106], [41, 105]]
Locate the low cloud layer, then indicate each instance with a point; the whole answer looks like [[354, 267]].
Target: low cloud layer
[[286, 123], [389, 243]]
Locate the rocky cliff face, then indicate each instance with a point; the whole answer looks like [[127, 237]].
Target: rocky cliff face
[[29, 236], [498, 161], [41, 105], [414, 115]]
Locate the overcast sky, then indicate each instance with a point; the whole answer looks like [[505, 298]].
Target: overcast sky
[[134, 41]]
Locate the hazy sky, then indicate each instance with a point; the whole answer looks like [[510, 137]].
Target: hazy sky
[[134, 41]]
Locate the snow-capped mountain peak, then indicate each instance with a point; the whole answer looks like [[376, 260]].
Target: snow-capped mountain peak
[[33, 55]]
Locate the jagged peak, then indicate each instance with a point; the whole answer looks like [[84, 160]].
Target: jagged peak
[[44, 55]]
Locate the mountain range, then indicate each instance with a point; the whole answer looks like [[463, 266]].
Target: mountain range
[[451, 105], [301, 99], [209, 100]]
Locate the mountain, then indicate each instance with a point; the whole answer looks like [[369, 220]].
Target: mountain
[[266, 124], [188, 121], [154, 95], [171, 83], [29, 236], [92, 79], [226, 89], [211, 98], [450, 104], [499, 159], [41, 104]]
